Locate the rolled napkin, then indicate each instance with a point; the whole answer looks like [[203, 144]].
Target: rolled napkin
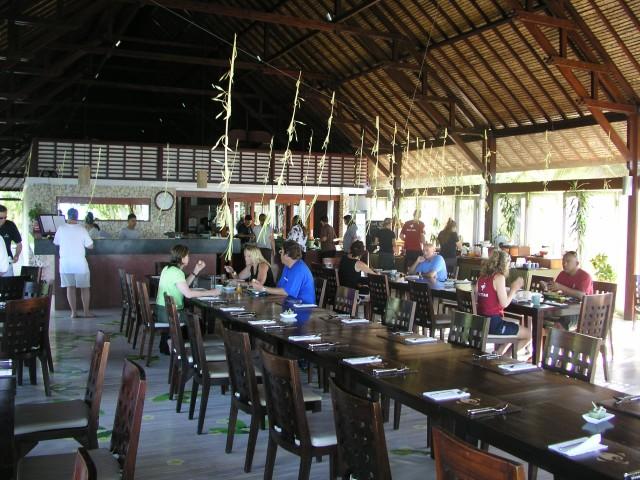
[[363, 360], [305, 338], [418, 340], [450, 394], [232, 309], [262, 322], [304, 305], [208, 298], [579, 446], [517, 367], [354, 321]]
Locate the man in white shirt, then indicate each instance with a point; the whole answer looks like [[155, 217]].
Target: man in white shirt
[[5, 265], [264, 240], [350, 234], [73, 239]]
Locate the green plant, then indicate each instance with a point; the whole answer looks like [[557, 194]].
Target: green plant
[[603, 270], [510, 210], [579, 214], [36, 210]]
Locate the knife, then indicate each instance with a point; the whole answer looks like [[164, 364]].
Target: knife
[[626, 398]]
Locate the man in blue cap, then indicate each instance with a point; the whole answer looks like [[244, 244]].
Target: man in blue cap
[[73, 239]]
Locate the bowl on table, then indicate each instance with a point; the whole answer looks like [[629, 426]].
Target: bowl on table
[[288, 316]]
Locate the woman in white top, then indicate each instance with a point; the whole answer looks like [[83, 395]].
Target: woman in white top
[[298, 233]]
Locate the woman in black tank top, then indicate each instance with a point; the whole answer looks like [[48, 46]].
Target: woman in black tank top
[[351, 267], [257, 268]]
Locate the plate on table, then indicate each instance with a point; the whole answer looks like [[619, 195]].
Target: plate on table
[[588, 418], [288, 317]]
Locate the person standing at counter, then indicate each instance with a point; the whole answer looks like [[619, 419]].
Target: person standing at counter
[[263, 234], [327, 235], [449, 243], [129, 232], [73, 240], [296, 280], [430, 264], [10, 233], [386, 239], [257, 268], [245, 233], [350, 234], [412, 234]]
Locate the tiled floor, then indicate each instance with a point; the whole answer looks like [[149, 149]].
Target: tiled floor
[[169, 446]]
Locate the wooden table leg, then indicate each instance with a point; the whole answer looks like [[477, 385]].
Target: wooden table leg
[[536, 335]]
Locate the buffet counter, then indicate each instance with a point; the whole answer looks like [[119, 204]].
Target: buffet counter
[[134, 256], [467, 265]]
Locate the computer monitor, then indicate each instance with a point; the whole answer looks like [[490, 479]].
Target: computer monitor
[[49, 223]]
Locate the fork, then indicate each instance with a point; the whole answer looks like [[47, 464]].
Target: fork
[[477, 411]]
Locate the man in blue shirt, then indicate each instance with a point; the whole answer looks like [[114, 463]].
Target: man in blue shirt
[[430, 264], [296, 280]]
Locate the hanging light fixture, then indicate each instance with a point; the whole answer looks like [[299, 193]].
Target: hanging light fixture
[[84, 175]]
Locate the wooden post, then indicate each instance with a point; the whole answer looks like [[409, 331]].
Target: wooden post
[[633, 141], [397, 182], [489, 155]]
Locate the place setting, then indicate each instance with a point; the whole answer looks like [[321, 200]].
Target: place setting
[[471, 404], [624, 404], [409, 338], [377, 366], [500, 364]]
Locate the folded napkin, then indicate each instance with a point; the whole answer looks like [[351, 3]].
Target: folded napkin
[[232, 309], [579, 446], [417, 340], [352, 321], [208, 298], [305, 338], [262, 322], [450, 394], [304, 305], [363, 360], [517, 367]]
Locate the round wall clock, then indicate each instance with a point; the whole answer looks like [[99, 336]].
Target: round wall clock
[[164, 200]]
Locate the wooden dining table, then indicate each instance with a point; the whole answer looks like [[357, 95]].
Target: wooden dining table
[[549, 406]]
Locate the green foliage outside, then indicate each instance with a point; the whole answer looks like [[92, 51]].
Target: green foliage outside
[[510, 210], [604, 272]]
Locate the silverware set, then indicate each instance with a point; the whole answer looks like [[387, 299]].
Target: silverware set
[[626, 399], [484, 410]]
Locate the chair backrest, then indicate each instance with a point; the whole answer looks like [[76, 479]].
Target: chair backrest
[[95, 381], [123, 287], [144, 304], [466, 299], [33, 273], [536, 283], [285, 403], [175, 332], [332, 285], [453, 274], [242, 375], [197, 345], [595, 315], [474, 274], [11, 288], [378, 294], [321, 290], [128, 418], [400, 314], [132, 294], [572, 354], [420, 292], [84, 468], [457, 459], [360, 434], [607, 287], [346, 301], [159, 266], [469, 330], [26, 326]]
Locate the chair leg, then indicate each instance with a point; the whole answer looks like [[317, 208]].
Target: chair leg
[[45, 374], [124, 311], [33, 378], [333, 465], [251, 442], [173, 379], [272, 449], [135, 333], [385, 401], [20, 371], [129, 327], [152, 335], [203, 406], [533, 472], [397, 410], [142, 340], [514, 351], [182, 382], [605, 363], [305, 467], [47, 347], [192, 403], [231, 427]]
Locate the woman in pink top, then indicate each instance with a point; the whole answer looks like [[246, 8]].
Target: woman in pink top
[[493, 297]]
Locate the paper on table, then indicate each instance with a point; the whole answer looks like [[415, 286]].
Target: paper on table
[[517, 367], [304, 305], [262, 322], [232, 309], [352, 321], [363, 360], [579, 446], [305, 338], [420, 340], [450, 394]]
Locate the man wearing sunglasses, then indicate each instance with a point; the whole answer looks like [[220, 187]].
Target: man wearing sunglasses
[[9, 233]]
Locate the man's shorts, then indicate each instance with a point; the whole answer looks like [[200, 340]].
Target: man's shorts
[[78, 280]]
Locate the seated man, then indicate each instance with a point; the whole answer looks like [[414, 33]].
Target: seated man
[[430, 264], [572, 282], [296, 280]]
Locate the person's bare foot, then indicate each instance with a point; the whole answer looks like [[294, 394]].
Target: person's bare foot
[[88, 315], [74, 315]]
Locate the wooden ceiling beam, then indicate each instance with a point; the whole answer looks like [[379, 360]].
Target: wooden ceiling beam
[[610, 106], [577, 64], [268, 17], [543, 20], [32, 21]]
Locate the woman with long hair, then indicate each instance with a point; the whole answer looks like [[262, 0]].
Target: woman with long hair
[[493, 297], [449, 242], [298, 233], [257, 268]]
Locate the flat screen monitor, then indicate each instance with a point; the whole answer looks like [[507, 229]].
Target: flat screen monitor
[[49, 223]]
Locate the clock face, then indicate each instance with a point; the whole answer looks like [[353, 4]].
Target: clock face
[[164, 200]]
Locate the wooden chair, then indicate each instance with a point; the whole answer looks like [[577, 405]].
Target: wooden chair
[[11, 288], [117, 461], [571, 354], [132, 320], [321, 290], [289, 426], [457, 459], [420, 292], [247, 395], [595, 321], [124, 302], [32, 273], [148, 321], [346, 301], [399, 314], [159, 266], [469, 330], [205, 373], [78, 419], [362, 447], [474, 275], [537, 282], [378, 295], [25, 336], [607, 287], [467, 303], [83, 467], [331, 275]]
